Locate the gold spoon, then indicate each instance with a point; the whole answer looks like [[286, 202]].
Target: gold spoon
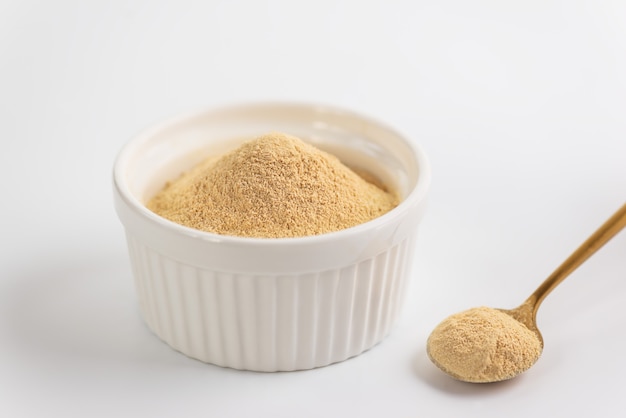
[[453, 344]]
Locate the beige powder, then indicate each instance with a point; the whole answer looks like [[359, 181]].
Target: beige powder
[[274, 186], [483, 345]]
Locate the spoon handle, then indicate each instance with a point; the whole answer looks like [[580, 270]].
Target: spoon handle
[[608, 230]]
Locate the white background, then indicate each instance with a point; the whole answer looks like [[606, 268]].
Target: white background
[[520, 105]]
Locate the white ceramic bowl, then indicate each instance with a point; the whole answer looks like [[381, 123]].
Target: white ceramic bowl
[[270, 304]]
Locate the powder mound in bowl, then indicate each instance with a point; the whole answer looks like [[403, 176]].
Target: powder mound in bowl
[[274, 186], [483, 345]]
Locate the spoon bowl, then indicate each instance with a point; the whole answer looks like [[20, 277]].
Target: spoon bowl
[[524, 314], [475, 346]]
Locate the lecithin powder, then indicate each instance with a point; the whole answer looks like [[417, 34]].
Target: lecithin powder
[[483, 345], [274, 186]]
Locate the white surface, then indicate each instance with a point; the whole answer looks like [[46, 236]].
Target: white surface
[[520, 106]]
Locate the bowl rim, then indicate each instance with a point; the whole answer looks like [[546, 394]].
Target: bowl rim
[[416, 195]]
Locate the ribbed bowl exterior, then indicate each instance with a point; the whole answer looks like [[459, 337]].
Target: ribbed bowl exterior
[[275, 322]]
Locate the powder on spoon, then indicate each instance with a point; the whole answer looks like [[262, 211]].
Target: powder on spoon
[[483, 345], [274, 186]]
